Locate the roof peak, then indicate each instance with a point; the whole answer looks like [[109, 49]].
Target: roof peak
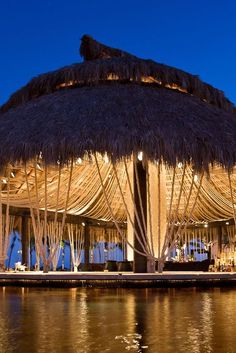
[[105, 64], [90, 49]]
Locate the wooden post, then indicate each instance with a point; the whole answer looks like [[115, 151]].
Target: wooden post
[[86, 246], [140, 262], [25, 241]]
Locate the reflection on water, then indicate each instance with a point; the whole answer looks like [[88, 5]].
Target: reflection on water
[[122, 320]]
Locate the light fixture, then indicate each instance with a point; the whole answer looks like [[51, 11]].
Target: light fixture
[[13, 175], [205, 225], [83, 224], [180, 165], [79, 161], [140, 156], [227, 223], [195, 178], [106, 159], [4, 181]]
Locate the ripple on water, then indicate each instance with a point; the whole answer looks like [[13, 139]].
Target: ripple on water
[[132, 341], [116, 321]]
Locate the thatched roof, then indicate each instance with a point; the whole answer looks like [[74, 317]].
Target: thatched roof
[[119, 104]]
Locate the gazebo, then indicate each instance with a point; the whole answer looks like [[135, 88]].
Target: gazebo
[[118, 140]]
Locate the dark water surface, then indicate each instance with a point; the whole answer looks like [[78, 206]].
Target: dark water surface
[[117, 320]]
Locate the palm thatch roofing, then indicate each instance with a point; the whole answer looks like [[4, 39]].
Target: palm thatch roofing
[[116, 103]]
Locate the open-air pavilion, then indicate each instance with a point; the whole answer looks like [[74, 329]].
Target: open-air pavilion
[[121, 150]]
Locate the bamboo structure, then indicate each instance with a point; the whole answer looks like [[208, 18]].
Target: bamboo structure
[[75, 234], [118, 139]]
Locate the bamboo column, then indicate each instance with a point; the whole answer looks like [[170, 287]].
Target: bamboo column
[[157, 213]]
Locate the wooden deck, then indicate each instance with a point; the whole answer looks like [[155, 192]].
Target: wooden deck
[[118, 280]]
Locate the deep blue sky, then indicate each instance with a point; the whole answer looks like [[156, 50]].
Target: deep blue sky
[[198, 36]]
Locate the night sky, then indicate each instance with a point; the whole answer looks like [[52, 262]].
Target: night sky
[[198, 36]]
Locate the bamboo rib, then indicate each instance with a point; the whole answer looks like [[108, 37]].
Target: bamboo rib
[[232, 198], [110, 209], [143, 243], [192, 210], [144, 238]]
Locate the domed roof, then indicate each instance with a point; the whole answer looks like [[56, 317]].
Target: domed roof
[[116, 103]]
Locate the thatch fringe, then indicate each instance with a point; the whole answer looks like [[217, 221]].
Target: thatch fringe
[[119, 105], [118, 120], [106, 64]]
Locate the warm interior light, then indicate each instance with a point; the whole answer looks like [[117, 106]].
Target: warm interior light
[[79, 161], [140, 156], [112, 77], [106, 159], [67, 84]]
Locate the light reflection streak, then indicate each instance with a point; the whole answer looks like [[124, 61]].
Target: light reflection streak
[[99, 320]]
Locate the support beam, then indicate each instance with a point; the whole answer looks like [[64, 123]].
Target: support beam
[[25, 241], [140, 262], [86, 246], [129, 255]]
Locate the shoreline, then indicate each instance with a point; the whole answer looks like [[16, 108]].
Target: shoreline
[[117, 280]]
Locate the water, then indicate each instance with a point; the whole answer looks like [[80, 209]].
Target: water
[[122, 320]]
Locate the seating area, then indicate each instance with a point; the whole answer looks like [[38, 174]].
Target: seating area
[[110, 265], [187, 266]]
